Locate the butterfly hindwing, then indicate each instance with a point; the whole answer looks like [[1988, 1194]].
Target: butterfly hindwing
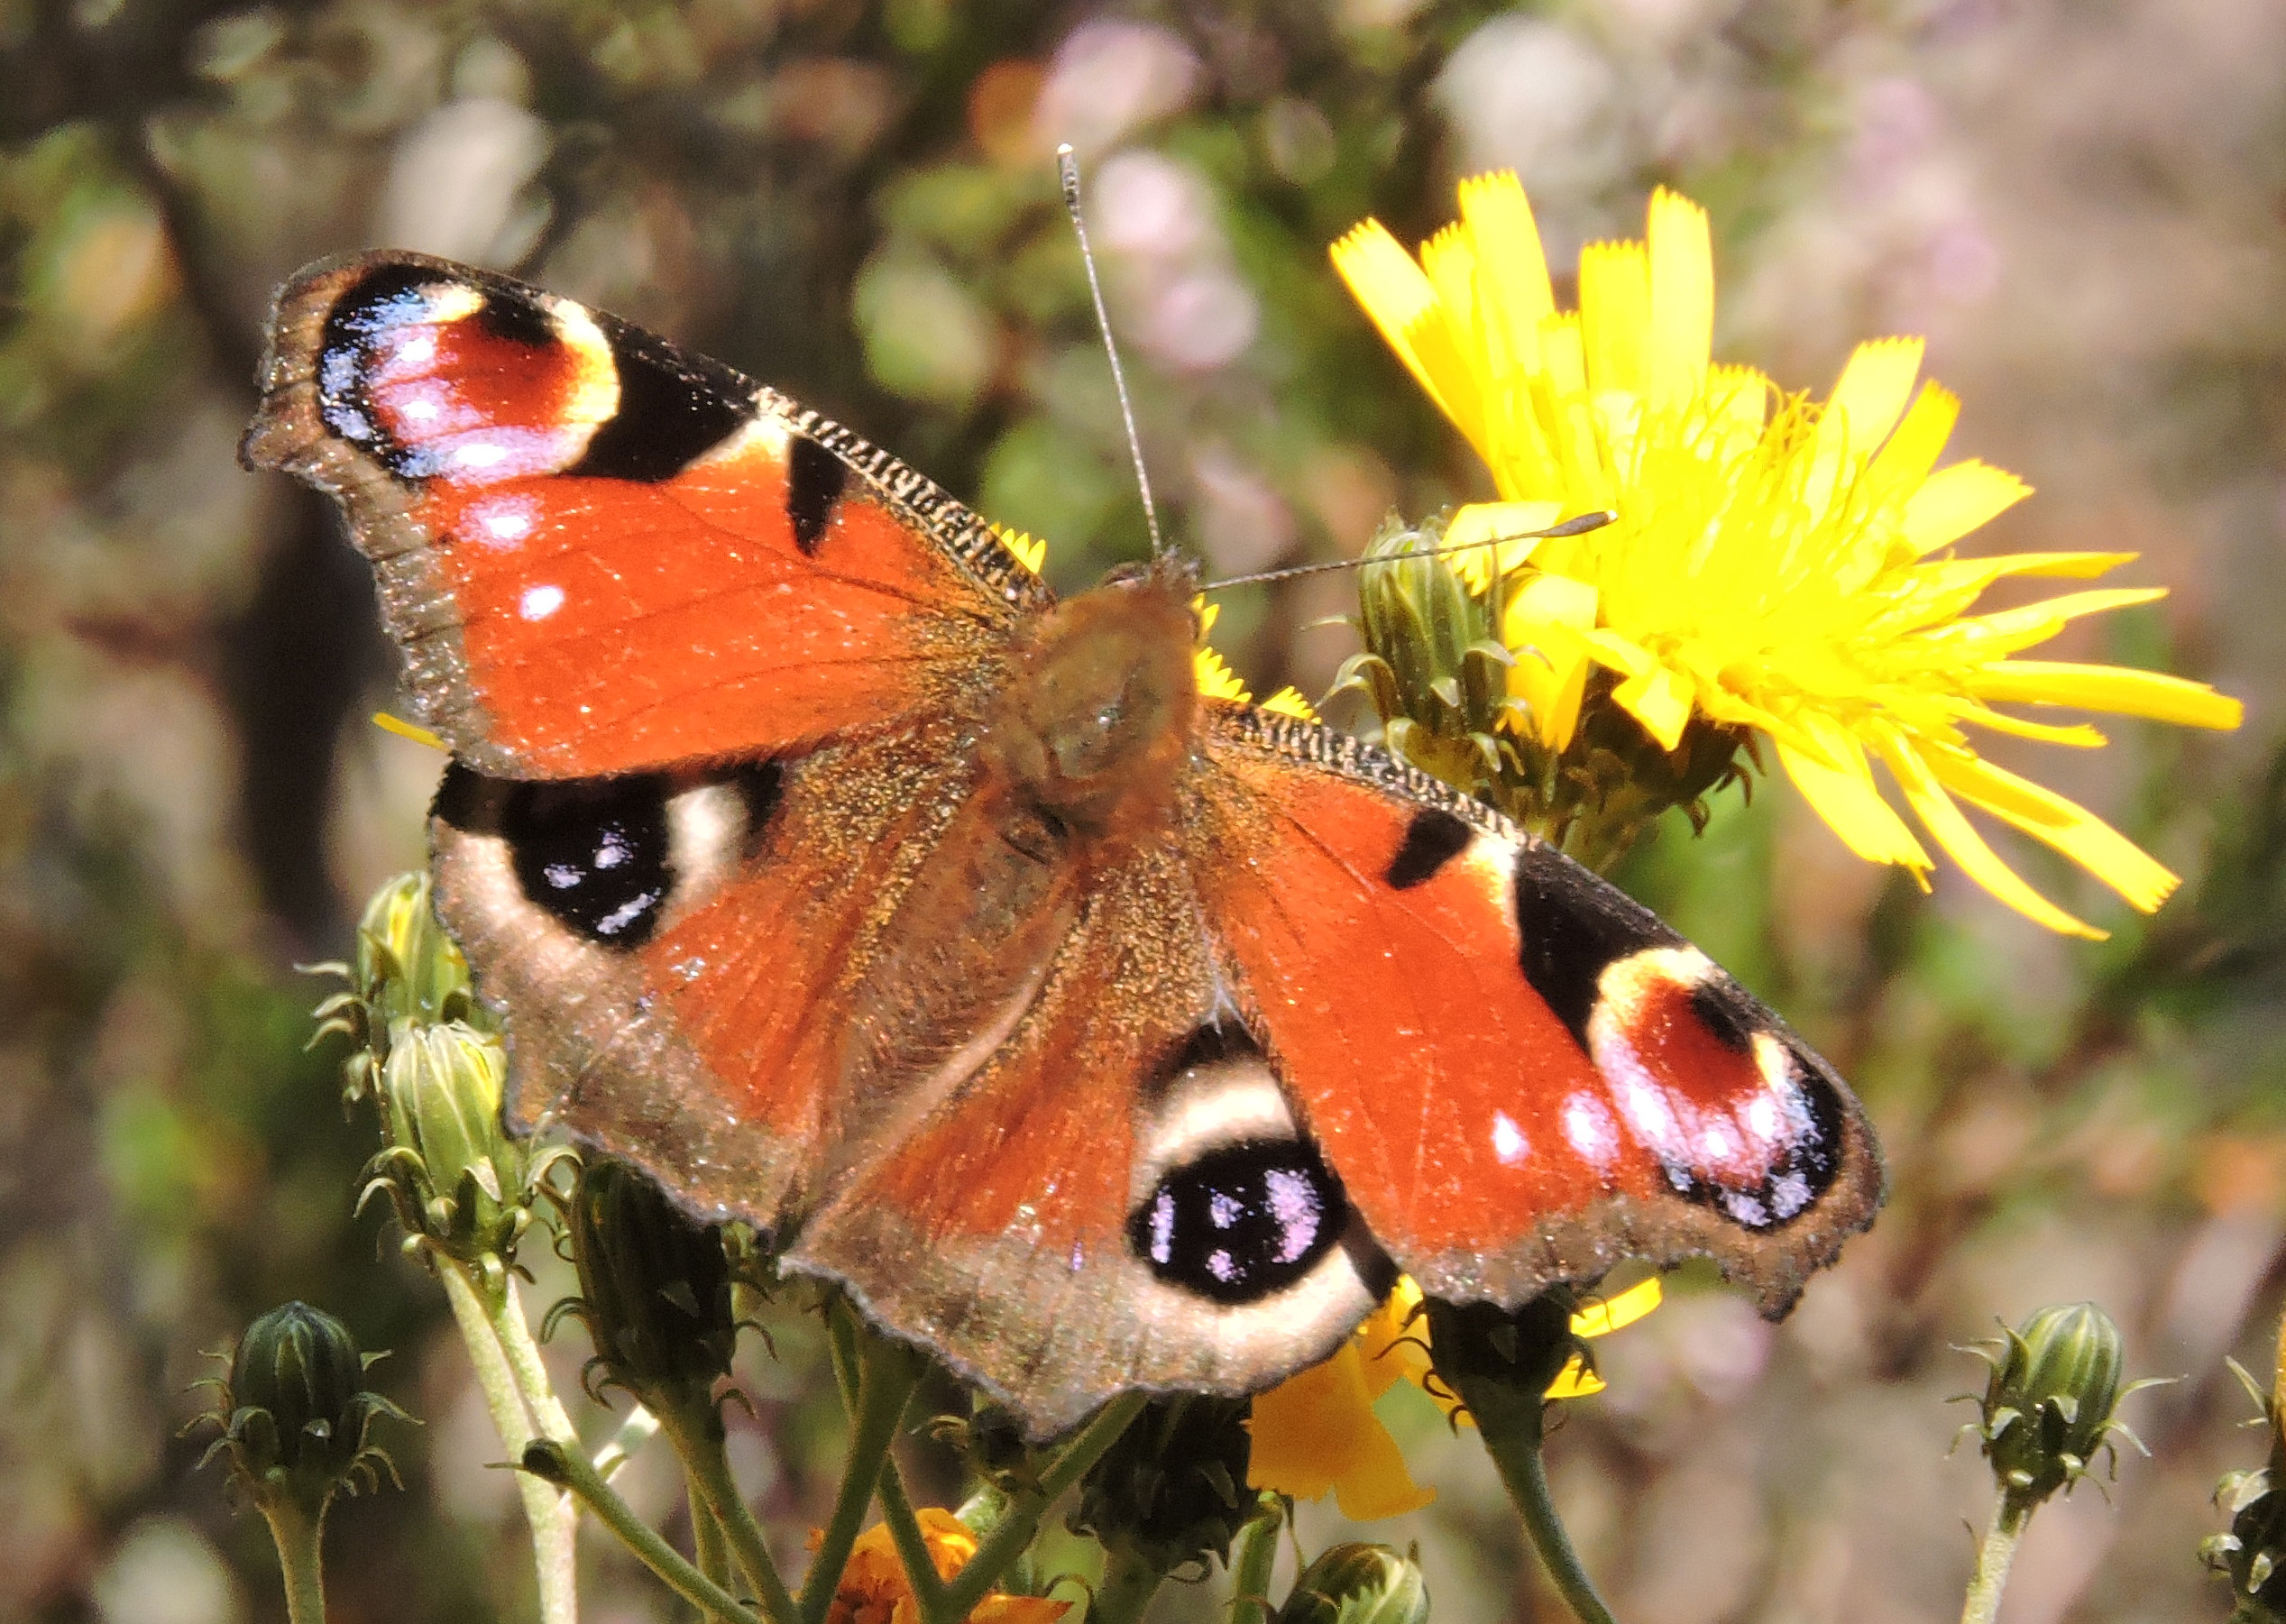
[[1521, 1075], [1119, 1197], [678, 954], [602, 554]]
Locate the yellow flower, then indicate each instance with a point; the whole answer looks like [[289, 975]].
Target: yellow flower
[[874, 1588], [1216, 680], [1317, 1430], [1774, 564]]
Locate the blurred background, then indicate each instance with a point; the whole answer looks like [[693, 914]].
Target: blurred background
[[2083, 206]]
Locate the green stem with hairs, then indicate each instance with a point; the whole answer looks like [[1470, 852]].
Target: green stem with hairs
[[885, 1378], [694, 1426], [298, 1532], [1127, 1586], [2010, 1516], [1008, 1541], [481, 1317], [551, 1463], [1511, 1423], [1251, 1561]]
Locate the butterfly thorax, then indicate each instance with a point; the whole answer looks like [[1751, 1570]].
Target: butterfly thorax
[[1093, 727]]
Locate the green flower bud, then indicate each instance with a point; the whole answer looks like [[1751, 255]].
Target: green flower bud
[[2048, 1407], [655, 1288], [407, 965], [1358, 1584], [1433, 665], [1173, 1490], [2253, 1555], [295, 1410], [407, 969], [456, 1179], [1437, 671]]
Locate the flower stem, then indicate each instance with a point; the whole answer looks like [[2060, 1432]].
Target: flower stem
[[553, 1463], [298, 1533], [481, 1319], [1251, 1565], [707, 1545], [885, 1377], [695, 1429], [1127, 1588], [1510, 1424], [2010, 1516], [904, 1533], [557, 1553], [1007, 1541]]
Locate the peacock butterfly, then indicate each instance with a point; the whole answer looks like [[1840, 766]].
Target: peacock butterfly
[[1095, 1033]]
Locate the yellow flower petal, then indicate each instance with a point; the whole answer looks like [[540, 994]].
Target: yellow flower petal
[[2013, 629], [1547, 681], [1953, 502], [1393, 1342], [1216, 679], [1289, 701], [1029, 551], [1914, 449], [1966, 846], [1615, 314], [1575, 1380], [2079, 735], [1315, 1431], [1841, 790], [1513, 269], [406, 729], [2066, 825], [1601, 1317], [1870, 395], [1659, 698], [1682, 297], [2114, 688], [1399, 296]]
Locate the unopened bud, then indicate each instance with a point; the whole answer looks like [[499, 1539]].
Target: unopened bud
[[454, 1175], [2048, 1407], [1358, 1584], [1433, 665], [295, 1410], [1172, 1492], [654, 1287]]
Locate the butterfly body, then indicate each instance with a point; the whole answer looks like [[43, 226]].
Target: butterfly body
[[1095, 1033]]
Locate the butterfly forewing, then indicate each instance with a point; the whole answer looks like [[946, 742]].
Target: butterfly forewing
[[1520, 1074], [602, 554]]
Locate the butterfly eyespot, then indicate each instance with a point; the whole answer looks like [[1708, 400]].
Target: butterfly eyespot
[[1240, 1223], [1739, 1116], [606, 857], [594, 853]]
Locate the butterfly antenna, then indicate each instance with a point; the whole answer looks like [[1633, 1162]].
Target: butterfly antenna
[[1068, 170], [1578, 525]]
